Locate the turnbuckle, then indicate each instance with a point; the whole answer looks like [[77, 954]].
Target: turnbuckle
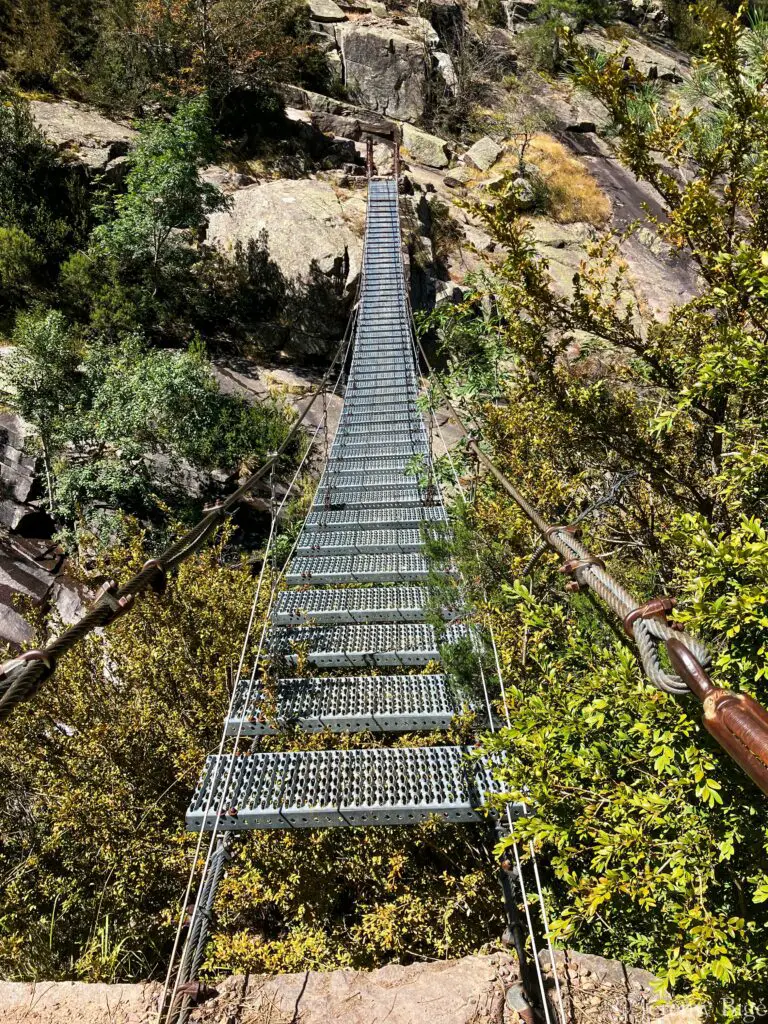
[[735, 720]]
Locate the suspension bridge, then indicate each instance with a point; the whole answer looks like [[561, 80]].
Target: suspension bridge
[[352, 640], [356, 601]]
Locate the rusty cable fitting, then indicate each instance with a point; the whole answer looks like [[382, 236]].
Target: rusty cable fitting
[[574, 530], [656, 608], [196, 992], [106, 597], [572, 566], [735, 720]]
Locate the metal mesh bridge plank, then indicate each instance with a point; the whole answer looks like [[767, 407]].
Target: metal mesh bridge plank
[[344, 704], [321, 788]]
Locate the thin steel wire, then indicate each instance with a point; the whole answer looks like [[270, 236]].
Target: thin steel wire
[[167, 1005]]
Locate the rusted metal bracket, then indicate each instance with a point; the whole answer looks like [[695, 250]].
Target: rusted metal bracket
[[656, 608], [572, 566], [106, 597], [735, 720]]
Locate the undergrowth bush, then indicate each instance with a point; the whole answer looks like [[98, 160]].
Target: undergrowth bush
[[657, 843]]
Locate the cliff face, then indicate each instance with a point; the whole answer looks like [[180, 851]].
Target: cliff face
[[475, 990]]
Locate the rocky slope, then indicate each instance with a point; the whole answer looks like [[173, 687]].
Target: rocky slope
[[475, 990], [389, 63]]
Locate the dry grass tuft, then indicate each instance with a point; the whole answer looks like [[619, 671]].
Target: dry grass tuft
[[574, 194]]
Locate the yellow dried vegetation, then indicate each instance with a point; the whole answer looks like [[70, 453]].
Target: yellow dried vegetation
[[574, 194]]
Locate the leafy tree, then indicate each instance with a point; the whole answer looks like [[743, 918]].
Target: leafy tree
[[120, 430], [658, 845], [40, 378], [138, 269], [165, 199], [20, 261]]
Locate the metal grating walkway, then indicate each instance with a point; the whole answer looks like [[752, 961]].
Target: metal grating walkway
[[357, 599], [318, 788]]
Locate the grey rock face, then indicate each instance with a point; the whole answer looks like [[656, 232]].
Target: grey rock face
[[483, 155], [82, 134], [447, 70], [325, 10], [424, 148], [306, 223], [387, 72]]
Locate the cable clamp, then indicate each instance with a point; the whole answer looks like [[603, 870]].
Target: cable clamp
[[24, 659], [656, 608], [106, 597], [572, 566], [574, 530], [196, 992]]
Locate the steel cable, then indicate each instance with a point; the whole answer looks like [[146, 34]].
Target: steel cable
[[198, 923]]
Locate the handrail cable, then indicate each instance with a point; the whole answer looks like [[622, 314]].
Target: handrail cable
[[735, 720], [510, 821], [492, 726]]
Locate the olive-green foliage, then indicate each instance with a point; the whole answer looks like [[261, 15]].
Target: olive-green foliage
[[38, 196], [20, 263], [164, 196], [95, 776], [657, 843], [105, 416], [123, 53], [493, 12], [145, 269]]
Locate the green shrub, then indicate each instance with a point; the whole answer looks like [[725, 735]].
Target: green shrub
[[20, 261]]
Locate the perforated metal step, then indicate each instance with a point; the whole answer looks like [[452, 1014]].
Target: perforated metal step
[[407, 389], [366, 423], [346, 704], [351, 542], [377, 431], [409, 645], [341, 463], [325, 788], [354, 605], [358, 448], [338, 498], [389, 568], [337, 479], [374, 518]]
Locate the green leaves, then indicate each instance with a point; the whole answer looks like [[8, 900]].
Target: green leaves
[[165, 197], [656, 845]]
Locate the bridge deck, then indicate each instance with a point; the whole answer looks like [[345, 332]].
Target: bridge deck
[[352, 603]]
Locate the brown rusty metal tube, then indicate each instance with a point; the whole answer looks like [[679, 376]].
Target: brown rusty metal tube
[[735, 720], [369, 157]]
